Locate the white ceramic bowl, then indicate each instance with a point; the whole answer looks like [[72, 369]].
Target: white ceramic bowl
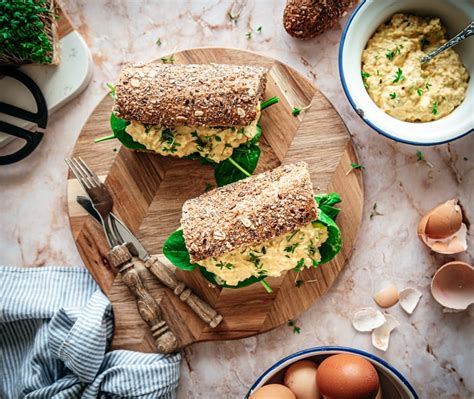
[[364, 21], [394, 385]]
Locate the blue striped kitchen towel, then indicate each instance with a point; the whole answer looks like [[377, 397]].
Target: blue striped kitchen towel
[[55, 325]]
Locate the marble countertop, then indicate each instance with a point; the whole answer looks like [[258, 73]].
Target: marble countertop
[[433, 349]]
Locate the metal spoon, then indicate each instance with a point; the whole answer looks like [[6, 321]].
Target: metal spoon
[[466, 32]]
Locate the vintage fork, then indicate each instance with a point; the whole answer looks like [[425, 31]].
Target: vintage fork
[[121, 258]]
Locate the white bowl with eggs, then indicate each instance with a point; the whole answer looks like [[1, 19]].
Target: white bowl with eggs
[[455, 15], [393, 385]]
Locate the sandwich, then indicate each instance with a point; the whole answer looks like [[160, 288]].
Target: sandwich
[[258, 227], [198, 111], [28, 32]]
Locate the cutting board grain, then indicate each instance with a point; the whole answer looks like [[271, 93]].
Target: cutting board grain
[[149, 191]]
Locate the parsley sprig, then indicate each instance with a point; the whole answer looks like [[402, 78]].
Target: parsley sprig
[[399, 76]]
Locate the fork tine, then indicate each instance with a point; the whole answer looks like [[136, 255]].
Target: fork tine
[[92, 174], [84, 173], [77, 173]]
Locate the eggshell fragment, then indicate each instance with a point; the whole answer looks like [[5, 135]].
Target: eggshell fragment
[[442, 229], [453, 285], [409, 298], [300, 377], [273, 391], [367, 319], [444, 220], [387, 296], [381, 335], [347, 376]]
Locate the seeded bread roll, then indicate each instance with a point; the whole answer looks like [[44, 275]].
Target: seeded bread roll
[[190, 95], [305, 19], [249, 211]]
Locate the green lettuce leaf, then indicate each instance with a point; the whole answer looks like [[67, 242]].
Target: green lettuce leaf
[[176, 252], [246, 156], [327, 215], [118, 126]]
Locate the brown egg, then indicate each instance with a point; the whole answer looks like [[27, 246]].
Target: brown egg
[[442, 221], [346, 376], [300, 377], [273, 391]]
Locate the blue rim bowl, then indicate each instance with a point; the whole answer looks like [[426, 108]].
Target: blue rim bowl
[[393, 383], [455, 15]]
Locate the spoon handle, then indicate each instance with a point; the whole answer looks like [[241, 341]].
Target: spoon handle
[[466, 32]]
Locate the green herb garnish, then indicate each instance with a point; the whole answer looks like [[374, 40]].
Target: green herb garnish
[[365, 75], [419, 156], [357, 166], [296, 329], [393, 95], [424, 42], [249, 35], [299, 283], [167, 60], [112, 90], [434, 108], [221, 265], [296, 111], [158, 42], [428, 85], [26, 31], [291, 248], [299, 265], [375, 212], [259, 29], [419, 91], [399, 76]]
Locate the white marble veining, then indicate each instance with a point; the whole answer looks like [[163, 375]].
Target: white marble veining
[[433, 349]]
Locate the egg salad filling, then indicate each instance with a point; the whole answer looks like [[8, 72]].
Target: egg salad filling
[[294, 250], [399, 83], [214, 143]]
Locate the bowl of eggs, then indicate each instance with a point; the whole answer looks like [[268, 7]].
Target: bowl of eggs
[[388, 85], [332, 372]]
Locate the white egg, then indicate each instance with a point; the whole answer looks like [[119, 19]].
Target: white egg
[[300, 377]]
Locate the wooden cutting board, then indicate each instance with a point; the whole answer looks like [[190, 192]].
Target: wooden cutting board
[[149, 191]]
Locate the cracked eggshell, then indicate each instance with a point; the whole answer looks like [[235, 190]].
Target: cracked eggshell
[[409, 298], [442, 228], [366, 319], [381, 335], [453, 285], [387, 296]]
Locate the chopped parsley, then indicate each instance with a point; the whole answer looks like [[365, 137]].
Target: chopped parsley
[[249, 34], [357, 166], [375, 212], [419, 91], [296, 329], [419, 156], [365, 75], [434, 108], [290, 236], [424, 42], [291, 248], [296, 111], [428, 85], [299, 283], [255, 259], [259, 29], [112, 90], [158, 42], [299, 265], [168, 138], [264, 250], [399, 77], [391, 53], [221, 265], [393, 95], [167, 60], [311, 248]]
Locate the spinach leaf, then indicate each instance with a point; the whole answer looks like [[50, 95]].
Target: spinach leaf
[[325, 203], [176, 252], [246, 156], [327, 214], [118, 126], [257, 136]]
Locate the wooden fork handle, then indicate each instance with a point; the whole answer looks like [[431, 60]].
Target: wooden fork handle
[[184, 293], [120, 258]]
